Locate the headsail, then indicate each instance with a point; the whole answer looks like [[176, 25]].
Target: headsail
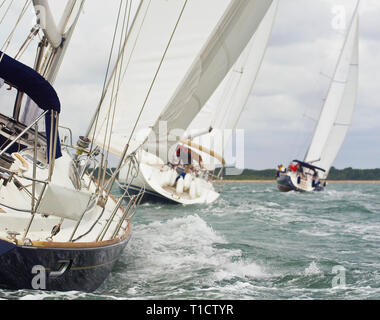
[[224, 46], [223, 110], [163, 41], [337, 112]]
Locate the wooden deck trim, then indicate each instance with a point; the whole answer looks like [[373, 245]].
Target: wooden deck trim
[[76, 245]]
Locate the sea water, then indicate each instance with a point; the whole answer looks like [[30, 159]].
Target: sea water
[[254, 242]]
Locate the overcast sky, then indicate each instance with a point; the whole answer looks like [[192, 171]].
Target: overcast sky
[[292, 85], [289, 91]]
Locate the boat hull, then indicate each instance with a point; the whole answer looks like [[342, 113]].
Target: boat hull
[[285, 184], [57, 269], [149, 179], [149, 196]]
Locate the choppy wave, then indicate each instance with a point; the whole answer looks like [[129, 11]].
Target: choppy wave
[[252, 243]]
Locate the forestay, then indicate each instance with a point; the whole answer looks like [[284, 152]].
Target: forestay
[[164, 40], [337, 112]]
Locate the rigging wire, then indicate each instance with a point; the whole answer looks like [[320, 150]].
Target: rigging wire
[[118, 70], [96, 117], [26, 43], [10, 37], [104, 158], [6, 11], [125, 28], [157, 72], [112, 179], [1, 5], [107, 72]]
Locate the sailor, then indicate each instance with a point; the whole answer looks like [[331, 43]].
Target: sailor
[[186, 157], [293, 167], [315, 182], [183, 162], [280, 169]]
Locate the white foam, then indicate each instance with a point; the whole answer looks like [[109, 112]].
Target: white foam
[[181, 247], [315, 233], [312, 269]]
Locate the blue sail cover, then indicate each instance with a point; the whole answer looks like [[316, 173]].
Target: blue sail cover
[[29, 81]]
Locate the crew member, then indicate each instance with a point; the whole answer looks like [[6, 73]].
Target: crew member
[[184, 160]]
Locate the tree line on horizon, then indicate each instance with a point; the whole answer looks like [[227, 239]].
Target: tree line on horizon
[[270, 174], [335, 174]]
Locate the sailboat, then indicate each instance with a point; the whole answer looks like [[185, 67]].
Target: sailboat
[[60, 228], [160, 171], [334, 121]]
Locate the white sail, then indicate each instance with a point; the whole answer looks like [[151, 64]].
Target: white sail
[[164, 39], [59, 39], [337, 112], [223, 110], [221, 51]]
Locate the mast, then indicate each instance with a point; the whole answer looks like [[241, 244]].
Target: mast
[[46, 21], [57, 36], [339, 105], [52, 48]]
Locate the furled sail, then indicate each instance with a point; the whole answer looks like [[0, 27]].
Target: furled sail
[[226, 43], [65, 28], [223, 110], [59, 37], [46, 20], [337, 112], [162, 43]]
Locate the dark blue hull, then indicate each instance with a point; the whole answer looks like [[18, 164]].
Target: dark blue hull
[[284, 184], [57, 269], [149, 196]]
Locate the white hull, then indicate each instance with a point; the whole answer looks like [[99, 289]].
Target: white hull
[[295, 181], [159, 180]]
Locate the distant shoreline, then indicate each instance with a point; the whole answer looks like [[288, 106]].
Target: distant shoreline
[[273, 181]]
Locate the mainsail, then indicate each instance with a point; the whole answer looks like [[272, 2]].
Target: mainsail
[[224, 108], [165, 38], [338, 109], [223, 48]]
